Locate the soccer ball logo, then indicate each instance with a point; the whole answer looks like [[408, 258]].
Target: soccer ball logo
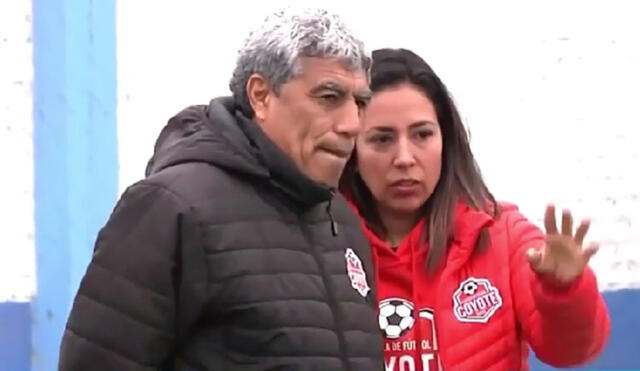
[[470, 288], [395, 317]]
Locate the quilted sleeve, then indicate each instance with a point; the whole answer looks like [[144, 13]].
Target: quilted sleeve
[[565, 327], [123, 316]]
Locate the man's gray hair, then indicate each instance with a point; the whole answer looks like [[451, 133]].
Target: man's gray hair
[[273, 50]]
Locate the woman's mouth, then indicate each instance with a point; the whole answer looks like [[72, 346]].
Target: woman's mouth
[[405, 187]]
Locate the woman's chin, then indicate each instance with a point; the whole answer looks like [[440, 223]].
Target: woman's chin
[[406, 207]]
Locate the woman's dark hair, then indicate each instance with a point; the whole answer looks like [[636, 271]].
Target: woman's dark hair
[[460, 177]]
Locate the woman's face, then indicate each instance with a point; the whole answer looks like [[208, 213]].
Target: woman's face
[[399, 151]]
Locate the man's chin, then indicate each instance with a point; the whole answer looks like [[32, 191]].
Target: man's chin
[[326, 169], [327, 180], [330, 183]]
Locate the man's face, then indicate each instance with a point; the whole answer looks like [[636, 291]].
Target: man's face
[[315, 117]]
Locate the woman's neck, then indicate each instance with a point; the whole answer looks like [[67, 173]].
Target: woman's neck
[[397, 226]]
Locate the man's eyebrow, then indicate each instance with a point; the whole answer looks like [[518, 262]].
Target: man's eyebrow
[[329, 85], [363, 95]]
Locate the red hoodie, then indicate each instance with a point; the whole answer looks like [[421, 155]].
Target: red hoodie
[[480, 310]]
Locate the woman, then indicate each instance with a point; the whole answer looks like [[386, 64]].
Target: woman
[[464, 282]]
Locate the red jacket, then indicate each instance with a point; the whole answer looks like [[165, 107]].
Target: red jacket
[[488, 306]]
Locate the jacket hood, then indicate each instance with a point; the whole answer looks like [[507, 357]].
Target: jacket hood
[[202, 133], [467, 225], [220, 135]]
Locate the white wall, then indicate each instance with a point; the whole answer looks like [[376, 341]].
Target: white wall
[[17, 282], [548, 90], [559, 82]]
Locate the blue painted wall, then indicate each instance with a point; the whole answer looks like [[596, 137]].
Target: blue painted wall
[[15, 337], [623, 350], [75, 154]]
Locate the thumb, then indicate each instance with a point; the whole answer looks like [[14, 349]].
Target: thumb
[[534, 256]]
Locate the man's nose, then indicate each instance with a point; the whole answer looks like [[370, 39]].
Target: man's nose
[[348, 122]]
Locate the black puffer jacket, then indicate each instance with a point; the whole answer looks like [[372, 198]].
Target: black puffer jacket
[[224, 258]]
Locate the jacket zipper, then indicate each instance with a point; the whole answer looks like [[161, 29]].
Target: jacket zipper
[[334, 225], [333, 300]]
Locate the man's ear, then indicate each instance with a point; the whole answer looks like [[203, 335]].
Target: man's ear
[[259, 94]]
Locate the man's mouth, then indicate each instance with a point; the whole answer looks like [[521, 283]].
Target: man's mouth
[[341, 152]]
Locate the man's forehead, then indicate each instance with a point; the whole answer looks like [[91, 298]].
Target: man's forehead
[[332, 72]]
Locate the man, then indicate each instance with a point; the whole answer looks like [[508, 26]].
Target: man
[[235, 253]]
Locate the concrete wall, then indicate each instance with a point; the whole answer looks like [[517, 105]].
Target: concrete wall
[[17, 263], [548, 90], [16, 153]]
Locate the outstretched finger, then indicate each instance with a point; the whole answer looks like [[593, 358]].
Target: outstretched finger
[[550, 219], [581, 232], [590, 251], [567, 223]]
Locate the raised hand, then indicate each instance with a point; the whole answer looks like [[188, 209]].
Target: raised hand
[[562, 259]]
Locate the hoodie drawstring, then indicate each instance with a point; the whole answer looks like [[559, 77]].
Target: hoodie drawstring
[[414, 296]]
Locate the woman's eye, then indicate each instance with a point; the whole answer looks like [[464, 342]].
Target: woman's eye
[[424, 134], [383, 139]]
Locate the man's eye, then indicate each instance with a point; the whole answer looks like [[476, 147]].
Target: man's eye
[[330, 98]]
